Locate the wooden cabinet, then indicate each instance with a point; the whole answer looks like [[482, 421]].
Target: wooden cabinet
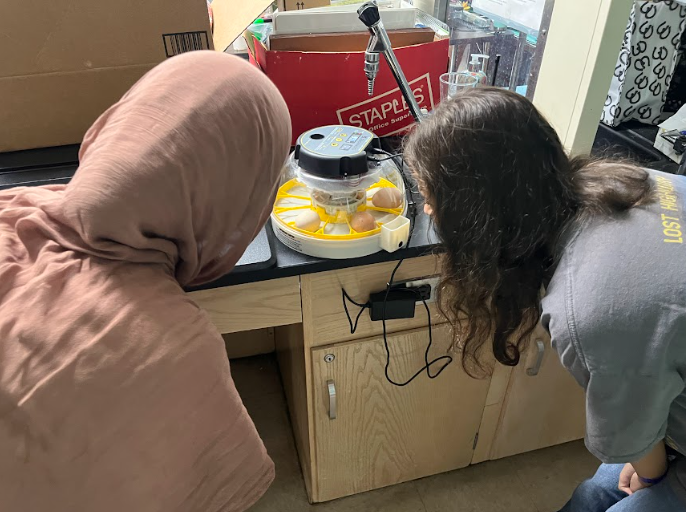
[[252, 306], [384, 434], [540, 408], [323, 315]]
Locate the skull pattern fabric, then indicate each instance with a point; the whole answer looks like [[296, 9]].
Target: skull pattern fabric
[[646, 62]]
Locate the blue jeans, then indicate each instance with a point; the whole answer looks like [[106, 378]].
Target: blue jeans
[[600, 494]]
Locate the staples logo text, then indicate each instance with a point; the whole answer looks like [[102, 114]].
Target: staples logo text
[[387, 113]]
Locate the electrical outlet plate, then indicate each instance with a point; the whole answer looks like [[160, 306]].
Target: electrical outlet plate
[[432, 281]]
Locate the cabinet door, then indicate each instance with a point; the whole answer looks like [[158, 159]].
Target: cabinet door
[[544, 405], [383, 434]]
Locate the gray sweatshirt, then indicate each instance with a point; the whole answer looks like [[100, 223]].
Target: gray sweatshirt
[[616, 312]]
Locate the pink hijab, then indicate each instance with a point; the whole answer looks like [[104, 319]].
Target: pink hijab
[[115, 390]]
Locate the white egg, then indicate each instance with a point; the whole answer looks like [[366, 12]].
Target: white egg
[[308, 220]]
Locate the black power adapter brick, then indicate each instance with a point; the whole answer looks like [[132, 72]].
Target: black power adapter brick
[[400, 303]]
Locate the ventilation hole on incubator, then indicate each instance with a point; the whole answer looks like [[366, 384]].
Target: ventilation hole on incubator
[[316, 136]]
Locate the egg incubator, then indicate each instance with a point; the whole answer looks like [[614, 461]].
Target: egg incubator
[[340, 196]]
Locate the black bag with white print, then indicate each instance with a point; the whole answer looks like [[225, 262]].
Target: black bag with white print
[[646, 63]]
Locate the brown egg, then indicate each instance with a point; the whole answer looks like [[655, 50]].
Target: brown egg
[[387, 198], [362, 221], [308, 220]]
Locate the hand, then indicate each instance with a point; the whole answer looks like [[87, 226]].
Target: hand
[[626, 478], [629, 482]]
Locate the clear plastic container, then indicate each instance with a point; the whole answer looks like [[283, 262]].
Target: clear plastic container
[[454, 83], [261, 30]]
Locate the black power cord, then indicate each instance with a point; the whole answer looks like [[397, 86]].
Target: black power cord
[[346, 299], [388, 157], [412, 213], [427, 364]]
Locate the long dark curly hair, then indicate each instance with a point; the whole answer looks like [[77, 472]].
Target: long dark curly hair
[[502, 190]]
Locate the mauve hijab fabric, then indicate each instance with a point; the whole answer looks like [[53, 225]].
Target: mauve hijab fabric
[[115, 389]]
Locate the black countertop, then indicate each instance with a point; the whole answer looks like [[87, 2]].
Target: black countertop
[[57, 165], [291, 263]]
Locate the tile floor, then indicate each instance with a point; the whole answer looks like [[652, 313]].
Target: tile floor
[[534, 482]]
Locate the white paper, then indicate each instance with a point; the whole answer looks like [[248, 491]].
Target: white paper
[[527, 13]]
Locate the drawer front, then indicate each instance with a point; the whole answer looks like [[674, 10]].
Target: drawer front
[[252, 306], [323, 313]]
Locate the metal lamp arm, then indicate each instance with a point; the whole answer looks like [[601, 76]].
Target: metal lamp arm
[[379, 42]]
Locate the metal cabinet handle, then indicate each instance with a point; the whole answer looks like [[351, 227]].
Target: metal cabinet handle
[[533, 371], [331, 386]]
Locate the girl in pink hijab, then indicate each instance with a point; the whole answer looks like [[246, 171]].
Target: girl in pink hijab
[[115, 391]]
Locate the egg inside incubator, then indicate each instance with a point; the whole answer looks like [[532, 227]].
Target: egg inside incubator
[[340, 197]]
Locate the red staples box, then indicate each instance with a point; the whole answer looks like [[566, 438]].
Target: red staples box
[[331, 88]]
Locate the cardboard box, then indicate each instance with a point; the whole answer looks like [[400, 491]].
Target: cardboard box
[[331, 88], [232, 17], [324, 21], [62, 63], [298, 5], [338, 5], [350, 42]]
